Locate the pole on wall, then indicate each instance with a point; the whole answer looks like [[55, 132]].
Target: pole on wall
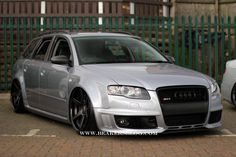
[[42, 12], [100, 12], [216, 7], [166, 9], [132, 12]]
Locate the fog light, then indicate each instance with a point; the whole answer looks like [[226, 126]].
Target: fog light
[[123, 122], [215, 117], [136, 122]]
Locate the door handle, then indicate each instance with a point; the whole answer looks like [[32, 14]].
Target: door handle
[[42, 73], [25, 68]]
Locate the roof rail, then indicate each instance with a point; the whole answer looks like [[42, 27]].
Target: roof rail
[[52, 32], [122, 32]]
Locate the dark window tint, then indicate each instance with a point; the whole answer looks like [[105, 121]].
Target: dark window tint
[[29, 50], [94, 50], [40, 54], [62, 49]]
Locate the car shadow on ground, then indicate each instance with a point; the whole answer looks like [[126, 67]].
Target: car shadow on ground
[[172, 135], [166, 136], [47, 122]]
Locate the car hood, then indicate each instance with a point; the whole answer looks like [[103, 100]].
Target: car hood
[[149, 75]]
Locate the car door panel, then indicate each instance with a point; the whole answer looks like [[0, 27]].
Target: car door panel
[[31, 76], [32, 73], [54, 86]]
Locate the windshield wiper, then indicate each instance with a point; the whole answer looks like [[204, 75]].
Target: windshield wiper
[[108, 62], [154, 62], [162, 62], [114, 62]]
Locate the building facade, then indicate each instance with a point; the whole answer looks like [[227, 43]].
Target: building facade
[[83, 7]]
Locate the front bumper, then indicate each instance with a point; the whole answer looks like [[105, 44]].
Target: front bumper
[[120, 106]]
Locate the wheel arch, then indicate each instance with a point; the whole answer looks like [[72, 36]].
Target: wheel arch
[[93, 97], [15, 80], [95, 91], [18, 82], [19, 78]]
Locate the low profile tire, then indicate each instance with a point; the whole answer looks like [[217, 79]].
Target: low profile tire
[[81, 113], [17, 98], [233, 95]]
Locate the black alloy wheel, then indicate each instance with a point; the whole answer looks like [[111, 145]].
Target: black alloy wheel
[[16, 97], [81, 112]]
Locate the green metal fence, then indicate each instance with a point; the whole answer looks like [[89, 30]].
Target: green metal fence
[[200, 43]]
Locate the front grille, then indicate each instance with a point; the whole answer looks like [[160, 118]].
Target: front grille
[[183, 105], [181, 94]]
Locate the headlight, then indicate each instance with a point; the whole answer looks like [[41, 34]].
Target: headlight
[[213, 86], [128, 91]]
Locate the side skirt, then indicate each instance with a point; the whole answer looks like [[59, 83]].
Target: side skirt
[[48, 114]]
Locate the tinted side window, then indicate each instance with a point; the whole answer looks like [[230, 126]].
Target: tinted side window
[[62, 48], [29, 50], [42, 50]]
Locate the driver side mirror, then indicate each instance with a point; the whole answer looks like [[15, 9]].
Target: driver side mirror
[[60, 60]]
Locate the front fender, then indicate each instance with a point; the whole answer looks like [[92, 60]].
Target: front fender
[[96, 91]]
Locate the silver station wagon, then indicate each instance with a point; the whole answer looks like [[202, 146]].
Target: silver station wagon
[[114, 83]]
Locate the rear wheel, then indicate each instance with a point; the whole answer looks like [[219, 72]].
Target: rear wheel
[[81, 112], [233, 95], [16, 97]]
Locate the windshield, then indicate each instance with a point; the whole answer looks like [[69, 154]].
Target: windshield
[[95, 50]]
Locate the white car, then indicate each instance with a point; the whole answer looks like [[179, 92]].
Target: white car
[[228, 86]]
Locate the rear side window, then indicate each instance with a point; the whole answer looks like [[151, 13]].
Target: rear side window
[[29, 50], [40, 53]]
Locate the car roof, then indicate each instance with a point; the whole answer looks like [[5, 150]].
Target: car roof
[[84, 34]]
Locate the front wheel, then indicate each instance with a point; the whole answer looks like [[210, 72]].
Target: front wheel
[[233, 95], [16, 98], [81, 113]]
